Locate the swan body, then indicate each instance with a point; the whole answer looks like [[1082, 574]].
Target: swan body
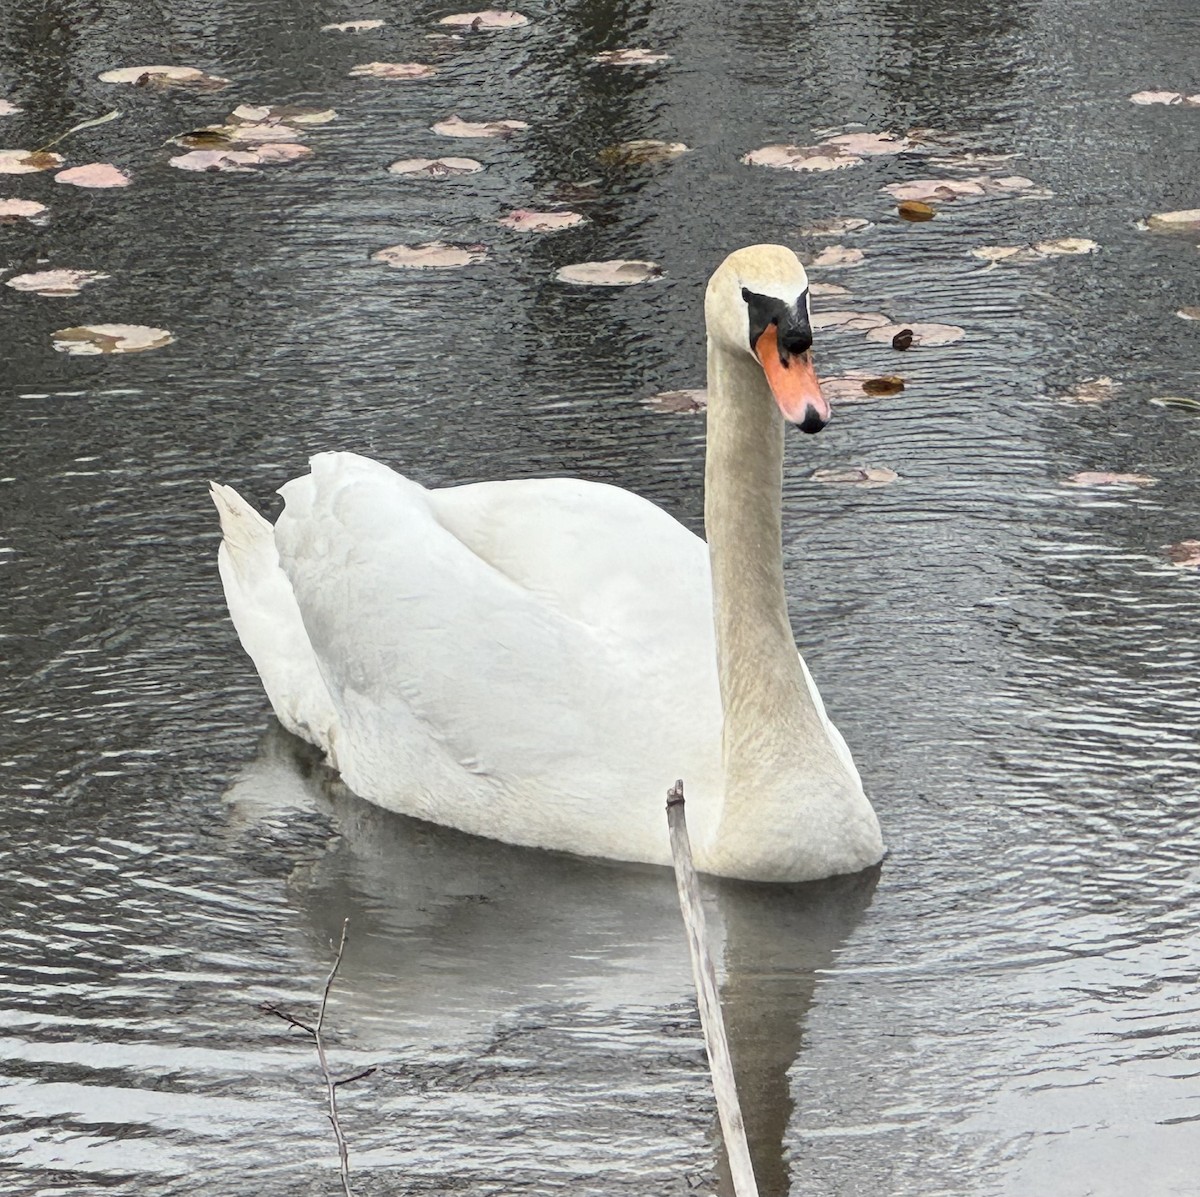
[[536, 661]]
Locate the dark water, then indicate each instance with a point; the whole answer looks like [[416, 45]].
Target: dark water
[[1010, 1007]]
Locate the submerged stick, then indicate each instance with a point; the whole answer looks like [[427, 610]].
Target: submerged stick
[[720, 1064]]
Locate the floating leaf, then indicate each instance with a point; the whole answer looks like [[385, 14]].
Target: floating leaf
[[836, 227], [1094, 478], [1003, 253], [286, 151], [801, 157], [678, 402], [54, 282], [928, 335], [1066, 245], [631, 56], [1185, 554], [971, 159], [455, 126], [617, 272], [528, 221], [392, 70], [289, 114], [489, 19], [848, 387], [254, 134], [1188, 313], [218, 161], [903, 339], [834, 257], [848, 321], [869, 145], [915, 210], [1033, 253], [165, 76], [827, 289], [1187, 221], [641, 152], [1180, 401], [1092, 390], [430, 255], [27, 162], [1165, 97], [91, 339], [867, 477], [7, 108], [94, 174], [436, 168], [888, 384], [949, 190], [353, 26], [12, 210]]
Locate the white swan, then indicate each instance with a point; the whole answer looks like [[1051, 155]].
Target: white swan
[[536, 661]]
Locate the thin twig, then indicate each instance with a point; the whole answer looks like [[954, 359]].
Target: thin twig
[[720, 1063], [330, 1083]]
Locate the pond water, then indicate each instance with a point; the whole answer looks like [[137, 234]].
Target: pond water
[[1009, 1006]]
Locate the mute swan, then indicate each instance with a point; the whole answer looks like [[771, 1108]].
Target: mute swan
[[537, 660]]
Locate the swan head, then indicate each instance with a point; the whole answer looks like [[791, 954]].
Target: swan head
[[757, 306]]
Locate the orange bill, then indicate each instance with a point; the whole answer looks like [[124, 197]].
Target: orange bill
[[793, 382]]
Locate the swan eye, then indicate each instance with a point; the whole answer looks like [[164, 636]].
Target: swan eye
[[795, 332]]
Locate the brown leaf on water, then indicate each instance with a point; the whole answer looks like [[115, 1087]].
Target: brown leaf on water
[[94, 174], [430, 255], [526, 220], [489, 19], [678, 402], [1088, 479], [847, 388], [91, 339], [631, 56], [1185, 221], [929, 336], [641, 152], [436, 168], [54, 282], [455, 126], [616, 272], [903, 339], [848, 321], [1188, 313], [916, 210], [1185, 554], [392, 70], [889, 384], [353, 26], [867, 477], [12, 210], [191, 78], [837, 257], [27, 162]]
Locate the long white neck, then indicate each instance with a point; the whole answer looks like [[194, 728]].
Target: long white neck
[[774, 736]]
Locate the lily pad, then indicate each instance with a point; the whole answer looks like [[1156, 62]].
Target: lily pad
[[1065, 245], [491, 18], [436, 168], [848, 321], [642, 151], [616, 272], [867, 477], [280, 114], [8, 108], [91, 339], [1165, 97], [680, 403], [430, 255], [837, 257], [12, 210], [631, 56], [165, 76], [528, 221], [353, 26], [928, 335], [802, 157], [1033, 253], [976, 187], [54, 282], [94, 174], [1186, 221], [1087, 479], [1185, 554], [455, 126], [1188, 313], [836, 227], [28, 162], [1092, 390], [217, 161], [869, 145], [392, 70]]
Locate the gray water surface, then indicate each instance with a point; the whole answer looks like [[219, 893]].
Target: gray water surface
[[1008, 1007]]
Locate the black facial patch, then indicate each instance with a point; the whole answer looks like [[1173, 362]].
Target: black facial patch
[[794, 332]]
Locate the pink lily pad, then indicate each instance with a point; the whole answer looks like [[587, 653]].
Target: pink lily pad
[[631, 56], [1186, 221], [489, 19], [436, 168], [7, 108], [801, 157], [12, 210], [282, 151], [94, 174], [848, 387], [165, 76], [430, 255], [848, 321], [678, 402], [54, 282], [282, 114], [1165, 97], [90, 339], [1094, 478], [867, 477], [527, 221], [868, 145], [353, 26], [929, 335], [393, 70], [28, 162], [616, 272], [836, 257], [217, 161], [1185, 554], [455, 126]]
